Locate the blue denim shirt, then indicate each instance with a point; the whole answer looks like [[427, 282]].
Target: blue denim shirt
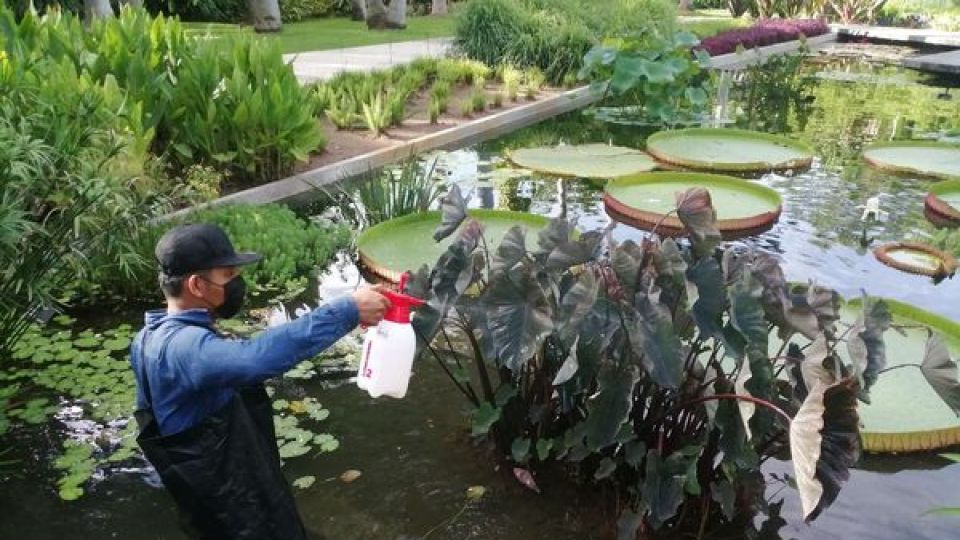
[[192, 371]]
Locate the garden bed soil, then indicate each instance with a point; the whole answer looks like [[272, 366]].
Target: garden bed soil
[[345, 144]]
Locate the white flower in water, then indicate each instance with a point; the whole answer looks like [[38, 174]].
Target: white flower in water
[[872, 210]]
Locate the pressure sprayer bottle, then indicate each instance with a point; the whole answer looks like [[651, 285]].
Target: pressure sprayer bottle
[[389, 348]]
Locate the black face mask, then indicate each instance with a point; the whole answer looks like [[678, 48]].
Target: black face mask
[[234, 293]]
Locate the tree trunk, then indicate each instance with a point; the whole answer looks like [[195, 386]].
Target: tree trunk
[[684, 6], [358, 10], [265, 15], [439, 7], [96, 9], [397, 14], [376, 14]]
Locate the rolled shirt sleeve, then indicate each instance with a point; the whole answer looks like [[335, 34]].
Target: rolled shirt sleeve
[[208, 360]]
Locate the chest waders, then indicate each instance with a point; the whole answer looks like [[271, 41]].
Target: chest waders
[[224, 472]]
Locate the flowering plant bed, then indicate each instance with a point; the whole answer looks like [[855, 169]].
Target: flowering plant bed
[[765, 32]]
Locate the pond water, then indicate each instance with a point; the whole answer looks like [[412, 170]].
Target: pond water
[[415, 456]]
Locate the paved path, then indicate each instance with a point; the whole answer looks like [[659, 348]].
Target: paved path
[[900, 35], [945, 62], [320, 65]]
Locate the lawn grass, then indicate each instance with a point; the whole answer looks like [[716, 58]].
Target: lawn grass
[[338, 32]]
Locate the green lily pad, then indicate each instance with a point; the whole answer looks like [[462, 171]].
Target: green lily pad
[[649, 200], [719, 149], [598, 161], [905, 413], [942, 204], [398, 245], [304, 482], [923, 158]]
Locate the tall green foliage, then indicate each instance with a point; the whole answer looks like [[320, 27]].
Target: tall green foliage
[[553, 35], [668, 370], [232, 103]]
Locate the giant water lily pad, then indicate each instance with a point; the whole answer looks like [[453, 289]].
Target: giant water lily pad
[[917, 258], [942, 205], [405, 244], [733, 150], [905, 413], [649, 201], [596, 161], [923, 158]]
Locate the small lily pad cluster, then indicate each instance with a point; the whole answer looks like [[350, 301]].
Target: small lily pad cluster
[[293, 438], [79, 375]]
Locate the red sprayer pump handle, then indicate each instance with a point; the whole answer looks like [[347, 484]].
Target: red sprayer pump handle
[[401, 304]]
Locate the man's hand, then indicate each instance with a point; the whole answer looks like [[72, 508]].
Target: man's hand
[[371, 304]]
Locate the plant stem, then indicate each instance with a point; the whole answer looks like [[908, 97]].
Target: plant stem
[[737, 397], [891, 368]]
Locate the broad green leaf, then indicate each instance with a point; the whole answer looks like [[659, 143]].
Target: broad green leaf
[[605, 469], [520, 449], [543, 449], [484, 418], [724, 493]]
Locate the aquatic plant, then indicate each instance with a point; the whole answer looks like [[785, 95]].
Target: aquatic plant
[[656, 78], [390, 193], [669, 371]]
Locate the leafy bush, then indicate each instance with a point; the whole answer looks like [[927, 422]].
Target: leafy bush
[[647, 79], [297, 10], [552, 35], [225, 11], [766, 32], [668, 371], [231, 103]]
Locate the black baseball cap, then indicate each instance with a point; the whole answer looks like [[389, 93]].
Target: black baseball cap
[[191, 248]]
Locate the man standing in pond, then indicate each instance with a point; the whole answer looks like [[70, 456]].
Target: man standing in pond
[[206, 423]]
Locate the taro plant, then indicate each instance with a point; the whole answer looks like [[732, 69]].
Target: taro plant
[[668, 370], [645, 77]]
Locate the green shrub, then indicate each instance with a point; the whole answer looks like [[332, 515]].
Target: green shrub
[[553, 35], [343, 111], [297, 10], [232, 103], [226, 11], [377, 115], [478, 100], [433, 109]]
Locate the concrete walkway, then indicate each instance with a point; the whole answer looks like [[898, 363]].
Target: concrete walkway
[[945, 62], [321, 65], [909, 36]]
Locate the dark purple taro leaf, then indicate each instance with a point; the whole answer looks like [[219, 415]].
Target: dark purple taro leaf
[[652, 334], [865, 342], [695, 210], [711, 296], [511, 250], [575, 252], [611, 405], [662, 488], [941, 372], [453, 210], [825, 443], [519, 317], [557, 232]]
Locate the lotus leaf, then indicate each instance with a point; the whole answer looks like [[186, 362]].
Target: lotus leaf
[[597, 161], [405, 244], [715, 149], [916, 157]]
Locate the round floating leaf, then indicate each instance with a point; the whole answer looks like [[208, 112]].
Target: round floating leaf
[[405, 244], [597, 161], [304, 482], [923, 158], [917, 258], [905, 412], [942, 205], [716, 149], [649, 201]]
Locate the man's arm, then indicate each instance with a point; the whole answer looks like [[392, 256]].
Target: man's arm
[[210, 361]]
